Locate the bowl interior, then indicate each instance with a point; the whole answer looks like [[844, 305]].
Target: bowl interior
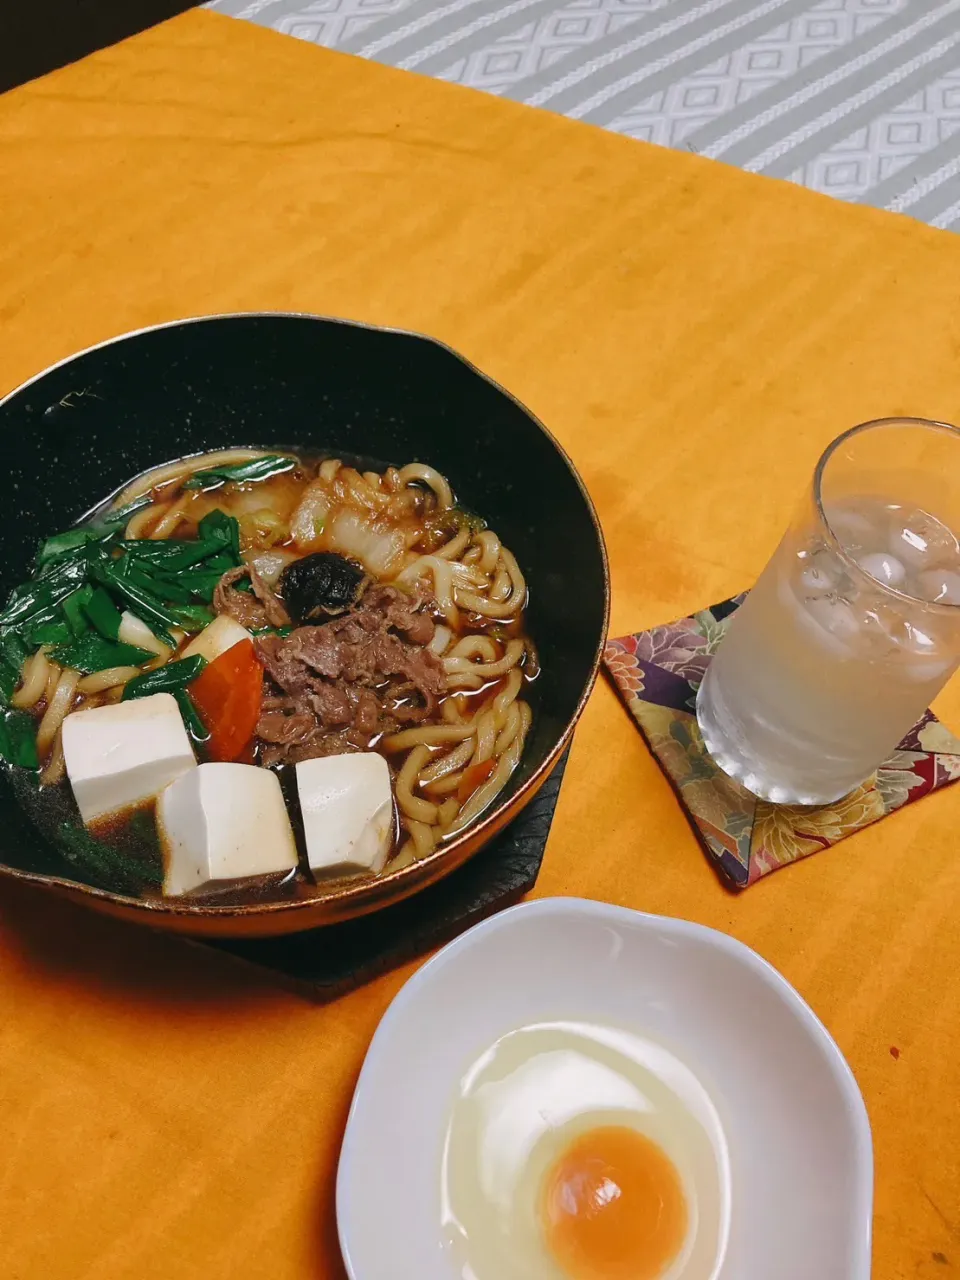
[[795, 1125], [85, 427]]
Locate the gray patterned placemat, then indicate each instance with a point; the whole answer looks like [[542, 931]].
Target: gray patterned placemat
[[856, 98]]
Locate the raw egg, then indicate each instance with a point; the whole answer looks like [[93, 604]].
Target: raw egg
[[613, 1208], [577, 1151]]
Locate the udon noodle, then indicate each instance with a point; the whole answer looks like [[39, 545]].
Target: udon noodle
[[452, 742]]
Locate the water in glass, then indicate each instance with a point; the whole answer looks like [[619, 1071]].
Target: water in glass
[[836, 652]]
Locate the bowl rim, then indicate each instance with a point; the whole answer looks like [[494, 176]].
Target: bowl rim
[[409, 879], [563, 907]]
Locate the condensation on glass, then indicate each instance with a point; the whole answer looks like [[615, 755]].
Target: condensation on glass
[[853, 626]]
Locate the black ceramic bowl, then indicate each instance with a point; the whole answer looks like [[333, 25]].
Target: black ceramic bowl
[[86, 426]]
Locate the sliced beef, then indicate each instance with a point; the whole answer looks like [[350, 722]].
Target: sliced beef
[[284, 730], [403, 613], [284, 668], [273, 606], [332, 743], [368, 658], [368, 714], [322, 649], [261, 608], [340, 686], [331, 705], [405, 706]]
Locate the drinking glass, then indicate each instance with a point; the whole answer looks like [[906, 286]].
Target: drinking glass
[[853, 626]]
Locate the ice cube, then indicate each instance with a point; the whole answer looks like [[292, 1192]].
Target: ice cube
[[816, 576], [852, 528], [920, 541], [836, 622], [882, 623], [926, 672], [891, 620], [940, 585], [885, 568], [917, 640], [926, 662]]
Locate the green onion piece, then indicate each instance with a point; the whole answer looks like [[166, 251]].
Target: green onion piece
[[23, 736], [49, 633], [173, 556], [9, 679], [105, 865], [103, 613], [31, 598], [193, 617], [93, 653], [175, 675], [145, 605], [12, 648], [71, 566], [200, 582], [240, 473], [113, 519], [191, 717], [221, 563], [217, 547], [216, 554], [215, 567], [162, 587], [74, 545], [45, 617], [18, 739], [217, 526], [74, 610], [154, 548], [63, 543]]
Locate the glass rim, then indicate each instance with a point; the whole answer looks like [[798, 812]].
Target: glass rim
[[834, 542]]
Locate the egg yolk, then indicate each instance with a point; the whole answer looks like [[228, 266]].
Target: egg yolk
[[612, 1207]]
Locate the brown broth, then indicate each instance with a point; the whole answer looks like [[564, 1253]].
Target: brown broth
[[132, 835]]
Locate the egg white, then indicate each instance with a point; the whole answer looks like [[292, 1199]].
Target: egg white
[[525, 1099]]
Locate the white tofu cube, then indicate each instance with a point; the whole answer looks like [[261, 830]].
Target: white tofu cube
[[223, 822], [123, 755], [347, 808], [222, 634]]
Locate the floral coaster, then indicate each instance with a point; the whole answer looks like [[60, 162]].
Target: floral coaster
[[658, 672]]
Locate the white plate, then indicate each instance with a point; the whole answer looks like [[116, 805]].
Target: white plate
[[801, 1163]]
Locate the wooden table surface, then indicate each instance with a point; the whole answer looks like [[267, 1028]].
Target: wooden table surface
[[694, 336]]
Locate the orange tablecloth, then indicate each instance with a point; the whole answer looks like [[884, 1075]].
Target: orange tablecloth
[[694, 336]]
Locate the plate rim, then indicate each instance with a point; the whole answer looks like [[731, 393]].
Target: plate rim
[[674, 926]]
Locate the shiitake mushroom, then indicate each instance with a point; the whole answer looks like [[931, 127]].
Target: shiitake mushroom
[[320, 586]]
